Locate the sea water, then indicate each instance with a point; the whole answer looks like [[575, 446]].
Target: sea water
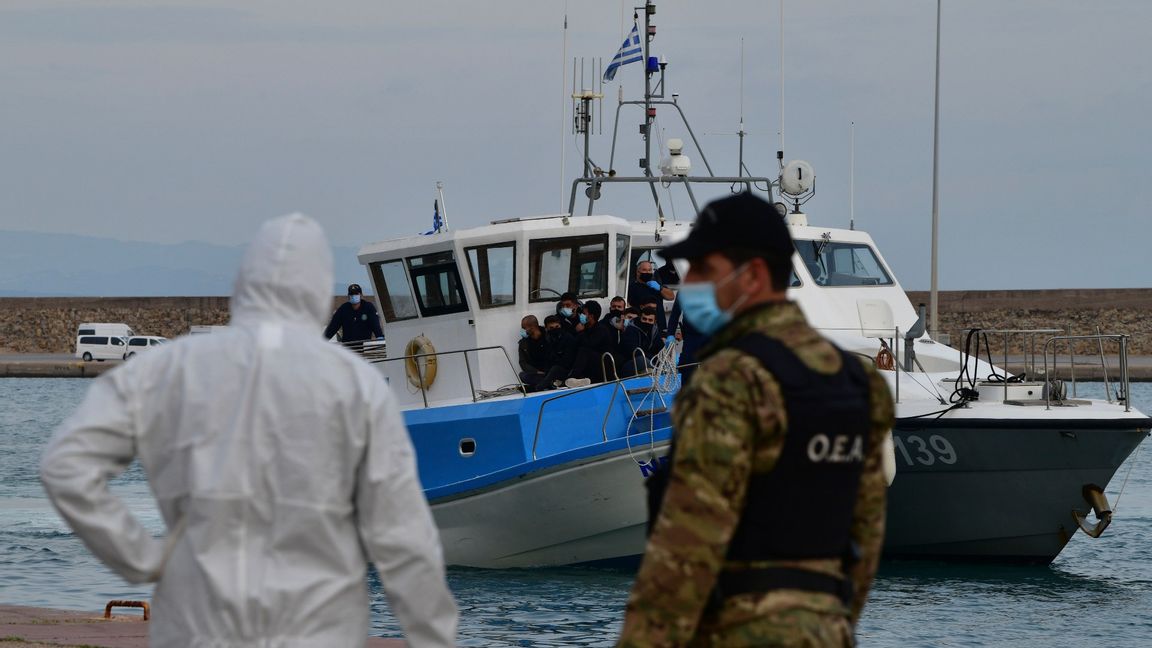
[[1097, 592]]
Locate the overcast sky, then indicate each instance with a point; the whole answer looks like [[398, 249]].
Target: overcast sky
[[173, 121]]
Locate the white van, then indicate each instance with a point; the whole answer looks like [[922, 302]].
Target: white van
[[138, 343], [105, 328], [100, 347]]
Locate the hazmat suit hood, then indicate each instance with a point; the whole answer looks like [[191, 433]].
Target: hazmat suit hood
[[286, 274]]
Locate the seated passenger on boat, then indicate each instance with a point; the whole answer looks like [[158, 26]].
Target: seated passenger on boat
[[639, 343], [622, 323], [561, 352], [571, 313], [645, 289], [593, 342], [616, 309], [533, 353]]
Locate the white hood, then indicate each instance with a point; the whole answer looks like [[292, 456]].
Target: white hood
[[279, 462], [286, 274]]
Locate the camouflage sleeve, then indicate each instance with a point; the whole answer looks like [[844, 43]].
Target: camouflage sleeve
[[868, 516], [716, 419]]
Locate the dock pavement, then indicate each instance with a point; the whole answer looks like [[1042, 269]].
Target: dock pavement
[[46, 365], [33, 627]]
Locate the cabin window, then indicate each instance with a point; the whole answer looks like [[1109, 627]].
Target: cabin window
[[576, 264], [493, 269], [833, 263], [393, 294], [437, 283]]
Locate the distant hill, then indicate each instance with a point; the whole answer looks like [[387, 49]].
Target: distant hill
[[36, 264]]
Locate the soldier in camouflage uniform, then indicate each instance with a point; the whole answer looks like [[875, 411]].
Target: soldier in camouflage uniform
[[751, 546]]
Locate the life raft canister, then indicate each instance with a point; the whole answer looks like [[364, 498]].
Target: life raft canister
[[421, 371]]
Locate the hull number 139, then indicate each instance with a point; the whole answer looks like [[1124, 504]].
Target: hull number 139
[[925, 452]]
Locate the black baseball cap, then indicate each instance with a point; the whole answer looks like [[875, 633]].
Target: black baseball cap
[[742, 221], [354, 289]]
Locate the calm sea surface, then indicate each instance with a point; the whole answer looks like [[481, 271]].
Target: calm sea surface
[[1096, 593]]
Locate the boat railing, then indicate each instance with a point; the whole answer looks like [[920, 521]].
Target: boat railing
[[420, 368], [1027, 341], [618, 384], [371, 350], [1122, 343], [606, 360], [896, 368]]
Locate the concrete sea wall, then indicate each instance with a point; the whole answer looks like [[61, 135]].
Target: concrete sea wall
[[1077, 312], [48, 324]]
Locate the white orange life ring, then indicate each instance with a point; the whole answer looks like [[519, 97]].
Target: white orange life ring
[[421, 372]]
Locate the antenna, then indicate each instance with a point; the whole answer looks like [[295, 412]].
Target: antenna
[[852, 177], [740, 132], [563, 112], [583, 112], [780, 153]]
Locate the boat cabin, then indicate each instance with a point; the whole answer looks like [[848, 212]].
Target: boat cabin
[[451, 302]]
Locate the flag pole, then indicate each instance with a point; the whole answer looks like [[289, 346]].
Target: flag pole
[[443, 207]]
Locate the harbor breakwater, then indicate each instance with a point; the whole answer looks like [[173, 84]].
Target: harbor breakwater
[[1074, 311], [48, 324]]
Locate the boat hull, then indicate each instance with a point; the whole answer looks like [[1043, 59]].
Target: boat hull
[[549, 485], [998, 490], [588, 511]]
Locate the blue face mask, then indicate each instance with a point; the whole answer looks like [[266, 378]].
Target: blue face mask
[[355, 299], [583, 318], [698, 301], [566, 312], [627, 323], [523, 334]]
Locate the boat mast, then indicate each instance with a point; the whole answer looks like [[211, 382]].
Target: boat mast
[[933, 292], [649, 109]]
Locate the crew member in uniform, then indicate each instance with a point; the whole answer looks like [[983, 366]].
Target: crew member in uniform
[[770, 522], [356, 319]]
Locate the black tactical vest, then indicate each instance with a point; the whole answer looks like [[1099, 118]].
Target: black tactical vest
[[803, 508]]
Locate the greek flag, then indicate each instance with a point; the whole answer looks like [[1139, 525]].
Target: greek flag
[[437, 222], [630, 52]]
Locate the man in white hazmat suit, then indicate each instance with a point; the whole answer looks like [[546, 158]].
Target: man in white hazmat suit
[[280, 464]]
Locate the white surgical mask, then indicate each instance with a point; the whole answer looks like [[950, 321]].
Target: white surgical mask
[[698, 301]]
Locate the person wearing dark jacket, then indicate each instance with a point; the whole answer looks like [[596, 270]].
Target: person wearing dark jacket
[[641, 336], [533, 353], [356, 318], [561, 352], [646, 289], [594, 341], [571, 313]]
